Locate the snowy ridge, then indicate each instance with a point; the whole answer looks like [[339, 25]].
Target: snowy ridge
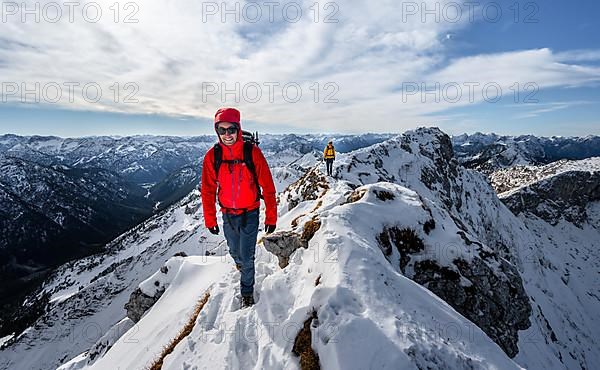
[[368, 313], [349, 284], [562, 330]]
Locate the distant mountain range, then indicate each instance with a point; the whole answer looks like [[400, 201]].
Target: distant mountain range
[[490, 152]]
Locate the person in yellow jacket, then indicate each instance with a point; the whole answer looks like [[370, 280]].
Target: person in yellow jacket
[[329, 156]]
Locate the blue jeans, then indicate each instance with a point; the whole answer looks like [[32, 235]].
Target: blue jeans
[[241, 232]]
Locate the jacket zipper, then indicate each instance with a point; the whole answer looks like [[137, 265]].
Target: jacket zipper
[[239, 182]]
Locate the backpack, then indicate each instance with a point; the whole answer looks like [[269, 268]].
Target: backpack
[[250, 140], [329, 151]]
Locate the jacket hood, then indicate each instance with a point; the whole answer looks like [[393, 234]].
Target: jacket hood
[[230, 115]]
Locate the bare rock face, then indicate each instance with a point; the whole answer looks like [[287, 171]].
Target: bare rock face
[[494, 300], [283, 244], [563, 196], [442, 176], [139, 303], [484, 288]]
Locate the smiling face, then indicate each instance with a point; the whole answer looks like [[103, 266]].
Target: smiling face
[[226, 132]]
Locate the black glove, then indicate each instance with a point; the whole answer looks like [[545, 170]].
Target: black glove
[[269, 228], [214, 230]]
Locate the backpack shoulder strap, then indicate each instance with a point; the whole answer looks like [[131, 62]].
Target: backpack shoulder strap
[[249, 161], [218, 154], [248, 147]]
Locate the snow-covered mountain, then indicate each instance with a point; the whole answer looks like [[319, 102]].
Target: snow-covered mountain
[[559, 204], [52, 214], [516, 177], [360, 312], [406, 260], [490, 152], [140, 159], [55, 198]]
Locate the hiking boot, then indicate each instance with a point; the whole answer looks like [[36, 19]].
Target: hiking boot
[[247, 301]]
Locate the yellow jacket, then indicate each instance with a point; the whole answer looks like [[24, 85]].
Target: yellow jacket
[[329, 152]]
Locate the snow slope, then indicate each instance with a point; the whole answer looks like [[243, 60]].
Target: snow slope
[[369, 315], [559, 205], [191, 278], [87, 296]]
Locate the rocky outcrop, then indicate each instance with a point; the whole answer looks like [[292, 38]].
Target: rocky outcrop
[[562, 196], [283, 244], [442, 175], [310, 187], [149, 291], [139, 303], [484, 288], [494, 300]]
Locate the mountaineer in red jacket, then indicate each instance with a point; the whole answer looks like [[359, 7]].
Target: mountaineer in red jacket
[[236, 188]]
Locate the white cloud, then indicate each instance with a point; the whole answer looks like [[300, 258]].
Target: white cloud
[[548, 108], [171, 52], [579, 56]]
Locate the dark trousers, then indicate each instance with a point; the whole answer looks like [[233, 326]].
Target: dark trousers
[[241, 232], [329, 163]]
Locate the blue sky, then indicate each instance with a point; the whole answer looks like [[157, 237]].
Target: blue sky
[[352, 64], [559, 25]]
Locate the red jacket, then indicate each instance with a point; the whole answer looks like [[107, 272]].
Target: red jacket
[[235, 185]]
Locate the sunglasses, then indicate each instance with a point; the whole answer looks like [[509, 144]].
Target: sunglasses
[[229, 130]]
